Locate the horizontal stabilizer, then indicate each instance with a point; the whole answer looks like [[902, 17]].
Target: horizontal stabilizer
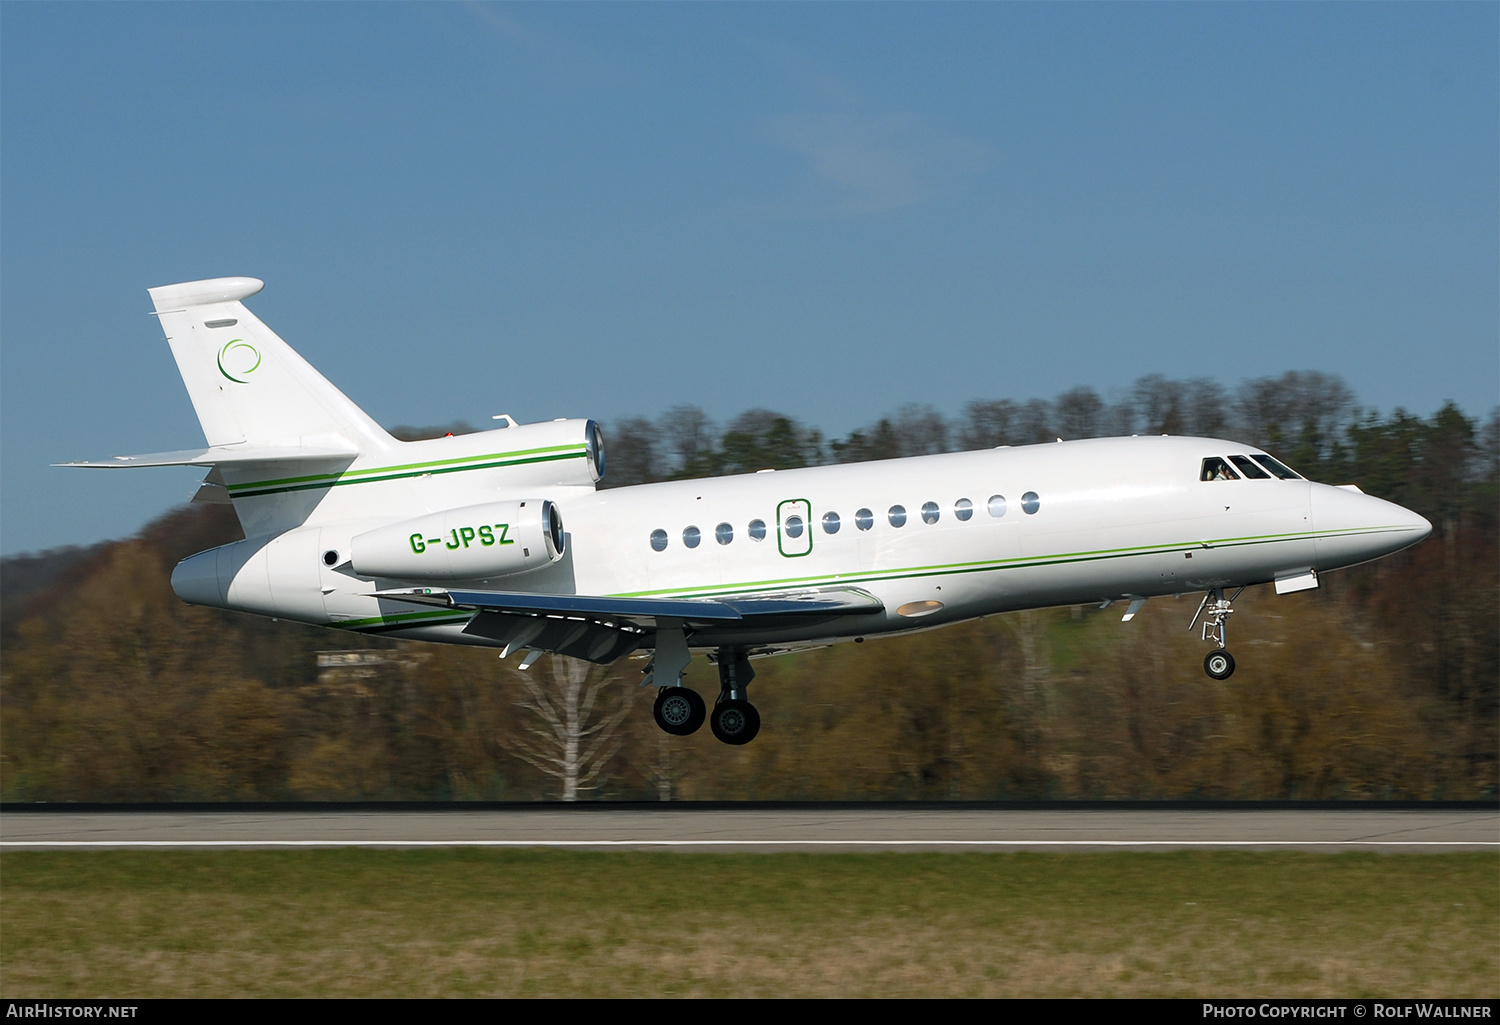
[[224, 455]]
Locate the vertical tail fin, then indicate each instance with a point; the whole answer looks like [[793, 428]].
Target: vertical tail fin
[[246, 384]]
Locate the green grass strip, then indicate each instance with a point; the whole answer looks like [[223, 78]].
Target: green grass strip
[[465, 922]]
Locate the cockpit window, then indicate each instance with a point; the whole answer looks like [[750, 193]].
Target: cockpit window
[[1280, 469], [1249, 469], [1215, 468]]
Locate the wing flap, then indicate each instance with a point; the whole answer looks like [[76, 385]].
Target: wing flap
[[843, 601], [575, 638]]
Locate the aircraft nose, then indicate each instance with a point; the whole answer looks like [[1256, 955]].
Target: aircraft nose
[[1419, 526], [1353, 527]]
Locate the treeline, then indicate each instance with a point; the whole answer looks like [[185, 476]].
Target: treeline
[[1383, 683], [1309, 419]]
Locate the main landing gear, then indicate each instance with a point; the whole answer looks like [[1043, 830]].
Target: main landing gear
[[734, 719], [1215, 610], [680, 711]]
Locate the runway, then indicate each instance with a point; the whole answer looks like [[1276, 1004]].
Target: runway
[[722, 829]]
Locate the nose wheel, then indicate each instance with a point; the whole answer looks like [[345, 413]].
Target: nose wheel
[[1219, 664], [1215, 610]]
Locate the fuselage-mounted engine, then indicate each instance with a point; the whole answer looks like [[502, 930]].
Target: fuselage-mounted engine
[[471, 543]]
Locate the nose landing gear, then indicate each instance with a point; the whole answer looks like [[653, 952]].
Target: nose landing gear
[[1215, 610], [1219, 664]]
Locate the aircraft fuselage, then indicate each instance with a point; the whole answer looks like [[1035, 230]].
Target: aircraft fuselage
[[1085, 521]]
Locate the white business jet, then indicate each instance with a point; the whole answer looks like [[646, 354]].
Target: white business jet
[[463, 539]]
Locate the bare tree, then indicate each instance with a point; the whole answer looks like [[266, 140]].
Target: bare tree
[[1159, 403], [1034, 423], [1206, 408], [688, 435], [1118, 419], [566, 738], [667, 769], [632, 454], [878, 441], [986, 424], [921, 429], [1080, 414], [1303, 414]]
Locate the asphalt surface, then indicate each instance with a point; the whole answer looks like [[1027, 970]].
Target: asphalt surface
[[760, 829]]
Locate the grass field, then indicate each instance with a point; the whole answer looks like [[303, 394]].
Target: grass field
[[545, 923]]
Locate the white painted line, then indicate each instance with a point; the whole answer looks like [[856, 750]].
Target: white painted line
[[749, 843]]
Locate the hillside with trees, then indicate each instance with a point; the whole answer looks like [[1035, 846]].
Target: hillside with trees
[[1382, 683]]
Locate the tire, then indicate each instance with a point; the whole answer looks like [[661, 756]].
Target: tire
[[1219, 664], [735, 722], [678, 710]]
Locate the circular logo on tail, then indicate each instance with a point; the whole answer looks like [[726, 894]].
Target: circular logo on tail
[[238, 360]]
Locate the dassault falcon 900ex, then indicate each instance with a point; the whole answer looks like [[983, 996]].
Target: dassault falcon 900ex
[[500, 538]]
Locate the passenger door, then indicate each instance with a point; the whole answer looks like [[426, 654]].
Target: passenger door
[[794, 527]]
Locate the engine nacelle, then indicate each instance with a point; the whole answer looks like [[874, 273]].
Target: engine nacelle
[[471, 543]]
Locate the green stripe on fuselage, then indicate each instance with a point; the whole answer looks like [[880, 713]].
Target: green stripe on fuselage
[[911, 573], [985, 566]]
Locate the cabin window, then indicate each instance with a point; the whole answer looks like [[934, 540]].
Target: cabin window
[[659, 540], [1215, 468], [997, 506], [831, 523], [723, 533], [864, 519], [1280, 469], [963, 509], [691, 536], [1249, 469], [793, 526], [757, 530], [1030, 503], [897, 516], [929, 512]]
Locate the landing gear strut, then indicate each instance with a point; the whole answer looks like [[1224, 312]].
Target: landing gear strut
[[734, 719], [1215, 610], [679, 710]]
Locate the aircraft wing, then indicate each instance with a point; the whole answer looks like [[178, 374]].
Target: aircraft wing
[[601, 629], [827, 601]]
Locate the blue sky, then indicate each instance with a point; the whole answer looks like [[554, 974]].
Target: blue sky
[[828, 210]]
